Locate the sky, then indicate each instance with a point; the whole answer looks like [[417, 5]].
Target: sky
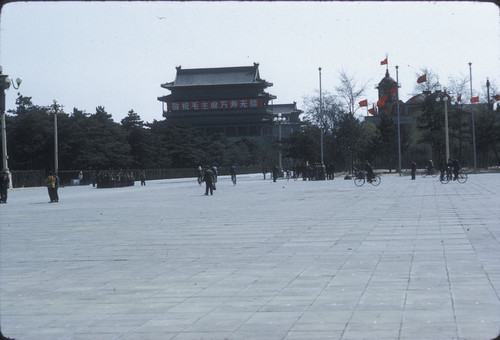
[[117, 54]]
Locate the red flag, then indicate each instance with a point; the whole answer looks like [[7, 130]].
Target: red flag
[[384, 62], [474, 100], [371, 111], [384, 98], [422, 79], [497, 97], [393, 90], [380, 103], [459, 99], [363, 102]]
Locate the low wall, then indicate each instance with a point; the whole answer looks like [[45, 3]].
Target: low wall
[[36, 178]]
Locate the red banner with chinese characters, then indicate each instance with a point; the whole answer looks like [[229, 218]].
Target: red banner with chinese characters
[[228, 104]]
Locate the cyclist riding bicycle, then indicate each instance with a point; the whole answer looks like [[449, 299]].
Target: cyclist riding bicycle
[[455, 167], [369, 171], [430, 166]]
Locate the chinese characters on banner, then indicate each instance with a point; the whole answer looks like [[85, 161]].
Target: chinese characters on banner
[[215, 104]]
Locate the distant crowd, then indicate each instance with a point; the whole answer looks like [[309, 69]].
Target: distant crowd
[[110, 179], [308, 172]]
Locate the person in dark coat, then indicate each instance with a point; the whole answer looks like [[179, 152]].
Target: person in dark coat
[[4, 186], [208, 178], [442, 169], [275, 172], [51, 187], [232, 171], [369, 171], [456, 167], [413, 166]]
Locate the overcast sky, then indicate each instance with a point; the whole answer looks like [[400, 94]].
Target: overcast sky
[[116, 54]]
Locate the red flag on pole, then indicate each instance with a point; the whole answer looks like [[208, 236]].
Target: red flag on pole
[[384, 62], [393, 90], [474, 100], [497, 97], [371, 111], [363, 102], [422, 79], [380, 103]]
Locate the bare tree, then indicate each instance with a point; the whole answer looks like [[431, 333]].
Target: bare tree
[[459, 88], [327, 116], [350, 92], [431, 84]]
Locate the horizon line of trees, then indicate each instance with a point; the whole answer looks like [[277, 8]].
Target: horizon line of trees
[[93, 141]]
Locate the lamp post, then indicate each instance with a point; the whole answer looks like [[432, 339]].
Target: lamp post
[[54, 110], [321, 116], [473, 127], [5, 83], [445, 99], [279, 120], [399, 123]]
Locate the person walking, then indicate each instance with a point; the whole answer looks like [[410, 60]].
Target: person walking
[[208, 178], [56, 191], [4, 186], [51, 186], [232, 171], [200, 174], [442, 169], [143, 178], [215, 172], [275, 172], [413, 167]]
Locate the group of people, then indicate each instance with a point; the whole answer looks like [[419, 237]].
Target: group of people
[[309, 171], [209, 175], [114, 180], [450, 168]]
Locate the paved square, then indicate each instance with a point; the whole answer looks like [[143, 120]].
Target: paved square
[[259, 260]]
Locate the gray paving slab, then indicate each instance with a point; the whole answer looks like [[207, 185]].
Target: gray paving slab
[[259, 260]]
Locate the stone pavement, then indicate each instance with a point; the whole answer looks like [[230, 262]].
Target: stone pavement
[[259, 260]]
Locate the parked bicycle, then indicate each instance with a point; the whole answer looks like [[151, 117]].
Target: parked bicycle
[[360, 179], [430, 172]]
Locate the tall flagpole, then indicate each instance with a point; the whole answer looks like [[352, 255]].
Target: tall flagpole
[[473, 127], [399, 123]]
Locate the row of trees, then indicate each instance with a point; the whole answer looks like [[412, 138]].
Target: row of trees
[[349, 140], [94, 141]]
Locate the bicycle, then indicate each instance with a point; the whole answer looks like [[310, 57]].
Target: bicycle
[[360, 179], [448, 176], [430, 172], [462, 177]]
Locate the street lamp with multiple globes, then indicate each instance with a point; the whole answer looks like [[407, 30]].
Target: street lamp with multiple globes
[[445, 98], [5, 83], [279, 119]]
